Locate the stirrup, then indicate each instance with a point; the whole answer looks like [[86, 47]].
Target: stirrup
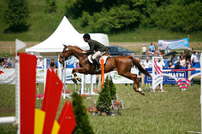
[[99, 69]]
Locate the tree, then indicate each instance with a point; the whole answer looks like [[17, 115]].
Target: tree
[[104, 99], [51, 6], [17, 14], [82, 121], [112, 89]]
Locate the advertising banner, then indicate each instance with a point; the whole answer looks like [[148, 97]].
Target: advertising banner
[[118, 79], [7, 76], [167, 79], [173, 44]]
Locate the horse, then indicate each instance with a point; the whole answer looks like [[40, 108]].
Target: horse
[[121, 64]]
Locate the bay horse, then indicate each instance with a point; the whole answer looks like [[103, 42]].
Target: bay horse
[[121, 64]]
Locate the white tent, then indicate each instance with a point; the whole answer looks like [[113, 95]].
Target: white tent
[[64, 34]]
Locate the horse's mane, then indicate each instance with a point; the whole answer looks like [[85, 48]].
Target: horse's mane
[[74, 47]]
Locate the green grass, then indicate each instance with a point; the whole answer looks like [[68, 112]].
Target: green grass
[[42, 25], [169, 112]]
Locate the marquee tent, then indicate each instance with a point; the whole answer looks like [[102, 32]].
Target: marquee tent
[[64, 34]]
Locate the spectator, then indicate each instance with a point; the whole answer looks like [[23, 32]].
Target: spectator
[[144, 49], [159, 62], [6, 58], [70, 62], [188, 57], [40, 62], [8, 64], [1, 59], [178, 65], [147, 63], [167, 50], [171, 65], [174, 58], [182, 60], [181, 55], [151, 47], [2, 65], [195, 57], [187, 65], [52, 64]]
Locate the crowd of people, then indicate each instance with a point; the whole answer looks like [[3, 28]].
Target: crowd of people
[[181, 61], [5, 62]]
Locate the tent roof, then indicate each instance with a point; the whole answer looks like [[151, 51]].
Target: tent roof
[[64, 34]]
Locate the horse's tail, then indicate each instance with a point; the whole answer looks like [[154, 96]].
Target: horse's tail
[[137, 64]]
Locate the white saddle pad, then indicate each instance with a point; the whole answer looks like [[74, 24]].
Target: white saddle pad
[[103, 57]]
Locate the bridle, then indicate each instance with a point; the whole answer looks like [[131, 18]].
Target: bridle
[[63, 56]]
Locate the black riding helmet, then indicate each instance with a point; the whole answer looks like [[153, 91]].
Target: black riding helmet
[[86, 36]]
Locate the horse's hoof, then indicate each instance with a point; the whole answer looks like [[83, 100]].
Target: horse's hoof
[[74, 80], [79, 79], [142, 93]]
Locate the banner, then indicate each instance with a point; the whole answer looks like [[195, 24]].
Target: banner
[[167, 79], [118, 79], [173, 44], [7, 76]]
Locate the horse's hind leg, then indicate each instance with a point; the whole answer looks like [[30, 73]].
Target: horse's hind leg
[[136, 85]]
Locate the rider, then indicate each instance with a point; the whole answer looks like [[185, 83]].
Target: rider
[[94, 46]]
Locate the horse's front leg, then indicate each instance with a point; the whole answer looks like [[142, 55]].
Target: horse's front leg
[[74, 75]]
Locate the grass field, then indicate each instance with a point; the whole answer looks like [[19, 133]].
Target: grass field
[[170, 112]]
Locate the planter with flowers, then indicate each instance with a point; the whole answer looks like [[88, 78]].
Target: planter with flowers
[[96, 91], [39, 96], [85, 96], [158, 88], [92, 110], [114, 108]]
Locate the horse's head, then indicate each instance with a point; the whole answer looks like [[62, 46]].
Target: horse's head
[[64, 55]]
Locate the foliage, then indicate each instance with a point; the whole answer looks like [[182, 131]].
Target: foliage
[[113, 16], [104, 99], [82, 121], [16, 15], [92, 110], [51, 6], [112, 89]]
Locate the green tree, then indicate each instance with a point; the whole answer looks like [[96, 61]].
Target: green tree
[[112, 89], [104, 99], [17, 14], [82, 121], [51, 6]]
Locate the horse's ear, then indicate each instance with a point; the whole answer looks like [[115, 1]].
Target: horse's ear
[[65, 45]]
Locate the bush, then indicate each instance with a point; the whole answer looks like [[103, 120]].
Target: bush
[[112, 89], [104, 100], [16, 16], [82, 121]]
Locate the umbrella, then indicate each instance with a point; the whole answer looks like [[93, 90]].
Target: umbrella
[[187, 49], [170, 53]]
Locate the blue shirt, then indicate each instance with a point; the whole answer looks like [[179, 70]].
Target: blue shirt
[[151, 48]]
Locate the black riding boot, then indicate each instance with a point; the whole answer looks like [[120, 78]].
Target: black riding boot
[[98, 64]]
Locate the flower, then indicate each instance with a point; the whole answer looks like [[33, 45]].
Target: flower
[[92, 110]]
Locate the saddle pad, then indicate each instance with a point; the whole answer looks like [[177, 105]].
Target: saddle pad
[[103, 57]]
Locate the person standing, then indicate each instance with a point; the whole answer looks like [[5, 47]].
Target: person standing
[[52, 64], [174, 58], [151, 47], [40, 62], [94, 46], [195, 57], [144, 49]]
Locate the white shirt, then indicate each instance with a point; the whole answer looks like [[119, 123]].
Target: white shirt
[[182, 62], [147, 64], [40, 63], [144, 49], [195, 58], [159, 63]]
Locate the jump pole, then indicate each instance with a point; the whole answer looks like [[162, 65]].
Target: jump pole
[[102, 72]]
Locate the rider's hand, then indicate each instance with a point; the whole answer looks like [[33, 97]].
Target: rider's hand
[[83, 52]]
